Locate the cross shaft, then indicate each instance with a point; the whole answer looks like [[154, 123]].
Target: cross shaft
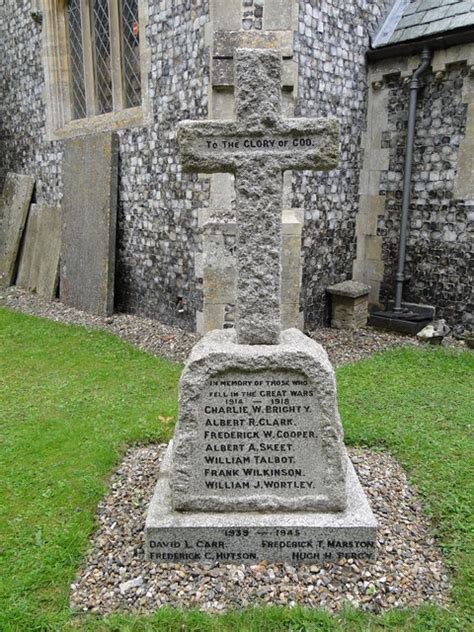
[[257, 148]]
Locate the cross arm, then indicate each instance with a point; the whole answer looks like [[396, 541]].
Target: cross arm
[[200, 144], [298, 143]]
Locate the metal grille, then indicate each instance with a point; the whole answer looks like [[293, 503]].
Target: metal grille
[[130, 52], [102, 69], [76, 56]]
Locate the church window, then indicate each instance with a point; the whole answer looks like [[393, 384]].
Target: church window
[[103, 53]]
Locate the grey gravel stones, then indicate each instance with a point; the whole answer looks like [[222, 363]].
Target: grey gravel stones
[[175, 344], [114, 576]]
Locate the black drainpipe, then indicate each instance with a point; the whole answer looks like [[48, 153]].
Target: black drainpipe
[[414, 86]]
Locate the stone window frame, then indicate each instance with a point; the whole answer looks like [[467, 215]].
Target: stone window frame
[[57, 94]]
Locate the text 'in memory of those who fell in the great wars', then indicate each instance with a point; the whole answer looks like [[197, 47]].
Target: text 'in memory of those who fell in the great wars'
[[259, 434]]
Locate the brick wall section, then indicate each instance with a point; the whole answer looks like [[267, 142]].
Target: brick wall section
[[330, 49], [438, 247]]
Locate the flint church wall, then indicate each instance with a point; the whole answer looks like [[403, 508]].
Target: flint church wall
[[22, 110], [158, 233], [438, 266], [331, 42], [158, 204], [438, 246]]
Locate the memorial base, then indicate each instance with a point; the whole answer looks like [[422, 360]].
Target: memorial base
[[297, 537]]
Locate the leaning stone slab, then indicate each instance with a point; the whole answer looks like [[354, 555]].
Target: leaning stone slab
[[14, 205], [249, 537], [89, 222], [38, 269], [258, 428]]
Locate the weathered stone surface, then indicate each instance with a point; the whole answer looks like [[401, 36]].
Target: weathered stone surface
[[14, 205], [39, 263], [293, 143], [89, 222], [352, 289], [349, 304], [217, 267], [242, 406], [295, 537], [226, 43], [223, 73], [258, 429], [257, 148], [349, 313], [278, 15], [226, 14]]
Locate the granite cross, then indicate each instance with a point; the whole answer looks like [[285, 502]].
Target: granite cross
[[257, 148]]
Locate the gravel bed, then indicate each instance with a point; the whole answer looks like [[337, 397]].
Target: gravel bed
[[175, 344], [409, 570], [114, 576], [146, 334]]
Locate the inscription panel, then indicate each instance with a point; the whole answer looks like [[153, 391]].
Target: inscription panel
[[249, 545], [259, 435], [255, 143]]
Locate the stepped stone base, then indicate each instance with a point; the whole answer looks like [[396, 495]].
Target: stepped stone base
[[296, 537]]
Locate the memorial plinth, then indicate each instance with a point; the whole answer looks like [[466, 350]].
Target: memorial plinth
[[257, 468], [259, 428]]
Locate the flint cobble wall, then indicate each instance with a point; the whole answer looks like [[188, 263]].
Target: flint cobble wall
[[252, 14], [157, 214], [440, 234], [158, 232], [158, 203], [330, 46], [22, 111]]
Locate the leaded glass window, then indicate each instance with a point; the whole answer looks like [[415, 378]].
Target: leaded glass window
[[104, 61]]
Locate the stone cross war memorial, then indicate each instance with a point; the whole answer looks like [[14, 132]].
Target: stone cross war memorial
[[257, 469]]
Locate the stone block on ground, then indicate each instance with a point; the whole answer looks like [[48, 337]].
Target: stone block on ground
[[39, 260], [14, 205], [349, 304], [89, 206]]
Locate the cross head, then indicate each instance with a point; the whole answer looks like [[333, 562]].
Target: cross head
[[257, 147]]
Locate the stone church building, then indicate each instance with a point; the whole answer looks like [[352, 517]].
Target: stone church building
[[73, 68]]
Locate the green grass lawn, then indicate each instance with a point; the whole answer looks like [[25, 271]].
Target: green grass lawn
[[72, 399]]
